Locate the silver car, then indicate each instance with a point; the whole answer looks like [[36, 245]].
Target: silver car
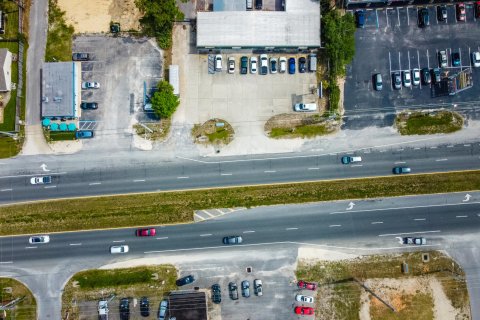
[[162, 312], [245, 288], [119, 249], [39, 239]]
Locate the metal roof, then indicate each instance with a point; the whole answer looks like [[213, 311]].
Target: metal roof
[[229, 5], [5, 70]]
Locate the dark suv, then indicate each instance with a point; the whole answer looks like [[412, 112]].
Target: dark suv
[[124, 309], [185, 280], [243, 65], [216, 293], [80, 57], [89, 105], [423, 18], [302, 64], [144, 307]]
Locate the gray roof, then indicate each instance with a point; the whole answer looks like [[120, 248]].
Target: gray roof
[[5, 75], [229, 5], [297, 26], [60, 89]]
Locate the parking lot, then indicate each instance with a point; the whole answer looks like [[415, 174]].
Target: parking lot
[[392, 41], [121, 66]]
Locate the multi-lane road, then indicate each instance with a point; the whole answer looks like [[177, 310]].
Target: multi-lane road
[[73, 176]]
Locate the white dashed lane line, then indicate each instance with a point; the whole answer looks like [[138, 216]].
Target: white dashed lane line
[[139, 180], [461, 216], [75, 244], [466, 145], [419, 219], [269, 171], [30, 247], [117, 241], [206, 235], [162, 238], [313, 168], [400, 162], [94, 183], [334, 225], [225, 174], [50, 187], [183, 177], [291, 229], [249, 231], [377, 222], [439, 160], [4, 190]]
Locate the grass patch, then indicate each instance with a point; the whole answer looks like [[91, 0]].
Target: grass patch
[[176, 207], [9, 147], [410, 123], [287, 125], [60, 135], [209, 133], [160, 130], [90, 285], [10, 9], [59, 35], [305, 131], [418, 306], [11, 289]]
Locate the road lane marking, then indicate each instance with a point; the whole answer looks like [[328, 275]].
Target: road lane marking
[[400, 162], [404, 233], [162, 238], [413, 207], [433, 147], [225, 174], [357, 165], [461, 216], [377, 222], [75, 244], [439, 160], [34, 175], [208, 213], [94, 183], [139, 180], [420, 219], [206, 235], [269, 171], [117, 241], [416, 148], [199, 216], [5, 262], [334, 225], [291, 229], [50, 187], [30, 247], [466, 145], [249, 231], [183, 177], [3, 190], [450, 146], [220, 211], [313, 168]]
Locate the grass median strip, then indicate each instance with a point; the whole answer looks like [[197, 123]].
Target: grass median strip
[[178, 207]]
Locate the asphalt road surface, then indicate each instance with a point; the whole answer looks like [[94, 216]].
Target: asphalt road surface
[[72, 177], [365, 226]]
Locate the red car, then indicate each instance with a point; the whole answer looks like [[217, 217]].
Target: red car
[[305, 311], [307, 285], [146, 232], [477, 9], [461, 12]]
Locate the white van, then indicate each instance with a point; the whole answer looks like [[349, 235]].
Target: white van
[[218, 62], [249, 4], [312, 62], [305, 107]]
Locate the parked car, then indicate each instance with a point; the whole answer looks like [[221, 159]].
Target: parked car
[[185, 280], [162, 312], [41, 180], [119, 249], [416, 77], [291, 65], [216, 293], [426, 76], [273, 65], [455, 59], [124, 309], [305, 107], [416, 241], [39, 239], [476, 59], [442, 13], [360, 18], [397, 80], [243, 65], [305, 311], [263, 64], [442, 58], [144, 307], [436, 75], [258, 4], [84, 134], [423, 18], [245, 288], [302, 64], [348, 159], [218, 62], [149, 232], [302, 298], [258, 287], [377, 79], [90, 85], [407, 78], [477, 9], [80, 56], [461, 15], [232, 240], [253, 64], [231, 65], [283, 64], [233, 290], [89, 105], [401, 170], [307, 285]]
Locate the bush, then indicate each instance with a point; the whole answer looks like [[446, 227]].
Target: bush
[[164, 102], [59, 36], [334, 97]]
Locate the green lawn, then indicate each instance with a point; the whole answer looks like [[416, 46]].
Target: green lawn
[[303, 131], [11, 25], [412, 123], [59, 36], [61, 135], [25, 309], [9, 147]]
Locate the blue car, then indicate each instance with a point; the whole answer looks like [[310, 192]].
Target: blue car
[[456, 59], [84, 134], [291, 65], [360, 15]]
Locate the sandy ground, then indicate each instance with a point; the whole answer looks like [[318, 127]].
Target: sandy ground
[[66, 147], [91, 16]]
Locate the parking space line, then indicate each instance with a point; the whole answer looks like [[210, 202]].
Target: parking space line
[[376, 17], [428, 60], [390, 62], [408, 17], [398, 17], [460, 54], [386, 15]]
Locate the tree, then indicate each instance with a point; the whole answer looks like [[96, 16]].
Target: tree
[[164, 102], [158, 18]]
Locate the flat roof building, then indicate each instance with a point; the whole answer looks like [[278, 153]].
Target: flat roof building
[[297, 27], [5, 70], [61, 90]]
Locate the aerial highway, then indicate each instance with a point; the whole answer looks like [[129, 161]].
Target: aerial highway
[[85, 174]]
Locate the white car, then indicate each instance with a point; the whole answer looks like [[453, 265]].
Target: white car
[[416, 77], [162, 312], [258, 287], [119, 249], [442, 58], [218, 62], [476, 59], [253, 64], [407, 79], [90, 85], [231, 65], [39, 239], [302, 298], [283, 65], [41, 180]]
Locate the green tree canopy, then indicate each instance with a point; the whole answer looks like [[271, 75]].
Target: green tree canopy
[[158, 18], [164, 102]]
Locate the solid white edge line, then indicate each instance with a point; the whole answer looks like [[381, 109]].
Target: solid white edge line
[[404, 233], [413, 207], [118, 241], [34, 175]]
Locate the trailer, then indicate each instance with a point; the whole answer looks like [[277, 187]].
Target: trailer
[[174, 78]]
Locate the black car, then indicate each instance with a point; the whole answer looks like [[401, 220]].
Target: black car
[[185, 280], [397, 80], [144, 307], [423, 18], [80, 56], [455, 59], [216, 293], [302, 64], [243, 65], [232, 240], [258, 4], [124, 309], [436, 75], [442, 13], [233, 290], [426, 76], [89, 105]]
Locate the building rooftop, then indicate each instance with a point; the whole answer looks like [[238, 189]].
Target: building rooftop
[[6, 70], [229, 5]]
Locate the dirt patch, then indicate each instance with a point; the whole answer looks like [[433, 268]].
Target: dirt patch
[[214, 131], [156, 131], [95, 16], [296, 125]]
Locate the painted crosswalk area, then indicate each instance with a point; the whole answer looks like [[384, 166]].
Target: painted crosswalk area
[[207, 214]]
